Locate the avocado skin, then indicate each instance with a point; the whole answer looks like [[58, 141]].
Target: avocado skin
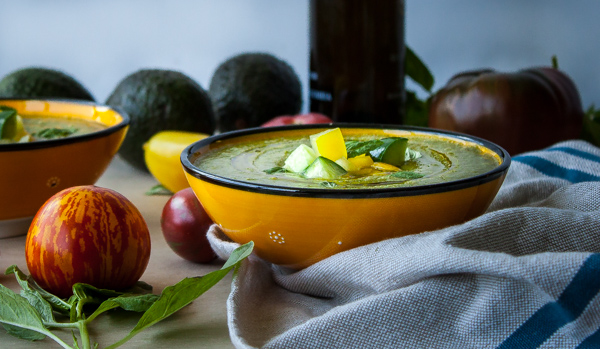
[[158, 100], [250, 89], [39, 82]]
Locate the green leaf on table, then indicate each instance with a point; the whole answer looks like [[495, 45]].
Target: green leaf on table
[[130, 302], [415, 69], [175, 297], [40, 304], [28, 284], [109, 299], [159, 189], [19, 318]]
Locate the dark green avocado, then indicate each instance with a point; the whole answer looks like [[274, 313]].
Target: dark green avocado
[[158, 100], [249, 89], [37, 82]]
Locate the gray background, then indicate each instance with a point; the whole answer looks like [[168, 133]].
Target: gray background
[[101, 42]]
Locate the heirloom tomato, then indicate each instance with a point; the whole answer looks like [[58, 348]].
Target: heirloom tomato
[[521, 111], [184, 224], [87, 234]]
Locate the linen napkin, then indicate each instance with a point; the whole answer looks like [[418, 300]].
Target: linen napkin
[[526, 274]]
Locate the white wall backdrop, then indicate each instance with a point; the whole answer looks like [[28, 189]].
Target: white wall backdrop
[[100, 42]]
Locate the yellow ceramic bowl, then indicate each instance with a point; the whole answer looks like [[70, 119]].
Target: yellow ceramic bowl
[[30, 173], [297, 227]]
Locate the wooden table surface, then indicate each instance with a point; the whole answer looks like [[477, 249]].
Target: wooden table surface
[[203, 324]]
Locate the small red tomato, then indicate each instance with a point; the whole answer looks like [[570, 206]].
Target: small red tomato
[[87, 234], [184, 224], [301, 119]]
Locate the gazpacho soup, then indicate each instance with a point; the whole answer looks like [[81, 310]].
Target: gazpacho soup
[[15, 128], [352, 158]]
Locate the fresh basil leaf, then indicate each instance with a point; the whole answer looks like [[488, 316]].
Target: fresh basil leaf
[[53, 133], [138, 302], [130, 302], [159, 189], [27, 283], [275, 169], [406, 175], [356, 148], [88, 294], [23, 333], [184, 292], [238, 255], [40, 304], [82, 290], [415, 69], [19, 318]]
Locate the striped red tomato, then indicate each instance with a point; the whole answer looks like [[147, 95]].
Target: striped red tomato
[[87, 234]]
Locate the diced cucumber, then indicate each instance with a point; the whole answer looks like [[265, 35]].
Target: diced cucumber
[[300, 159], [392, 151], [346, 165], [324, 168]]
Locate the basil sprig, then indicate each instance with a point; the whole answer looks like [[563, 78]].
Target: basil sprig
[[30, 315], [53, 133]]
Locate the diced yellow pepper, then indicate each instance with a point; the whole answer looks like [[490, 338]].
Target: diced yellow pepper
[[382, 166], [329, 144], [360, 161]]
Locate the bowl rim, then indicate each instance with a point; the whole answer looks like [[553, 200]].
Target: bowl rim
[[345, 193], [67, 140]]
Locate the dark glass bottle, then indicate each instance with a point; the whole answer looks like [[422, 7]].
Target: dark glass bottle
[[357, 60]]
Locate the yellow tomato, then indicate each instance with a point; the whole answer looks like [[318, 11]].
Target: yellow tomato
[[162, 155]]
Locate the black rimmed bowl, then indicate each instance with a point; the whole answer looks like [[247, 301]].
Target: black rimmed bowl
[[32, 172], [297, 226]]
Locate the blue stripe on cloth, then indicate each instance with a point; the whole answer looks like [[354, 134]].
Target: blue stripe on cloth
[[553, 170], [584, 286], [591, 342], [576, 152]]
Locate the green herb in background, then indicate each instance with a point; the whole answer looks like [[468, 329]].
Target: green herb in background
[[30, 314], [159, 189], [417, 110], [591, 126]]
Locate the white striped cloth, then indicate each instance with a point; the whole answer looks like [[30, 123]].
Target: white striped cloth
[[524, 275]]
